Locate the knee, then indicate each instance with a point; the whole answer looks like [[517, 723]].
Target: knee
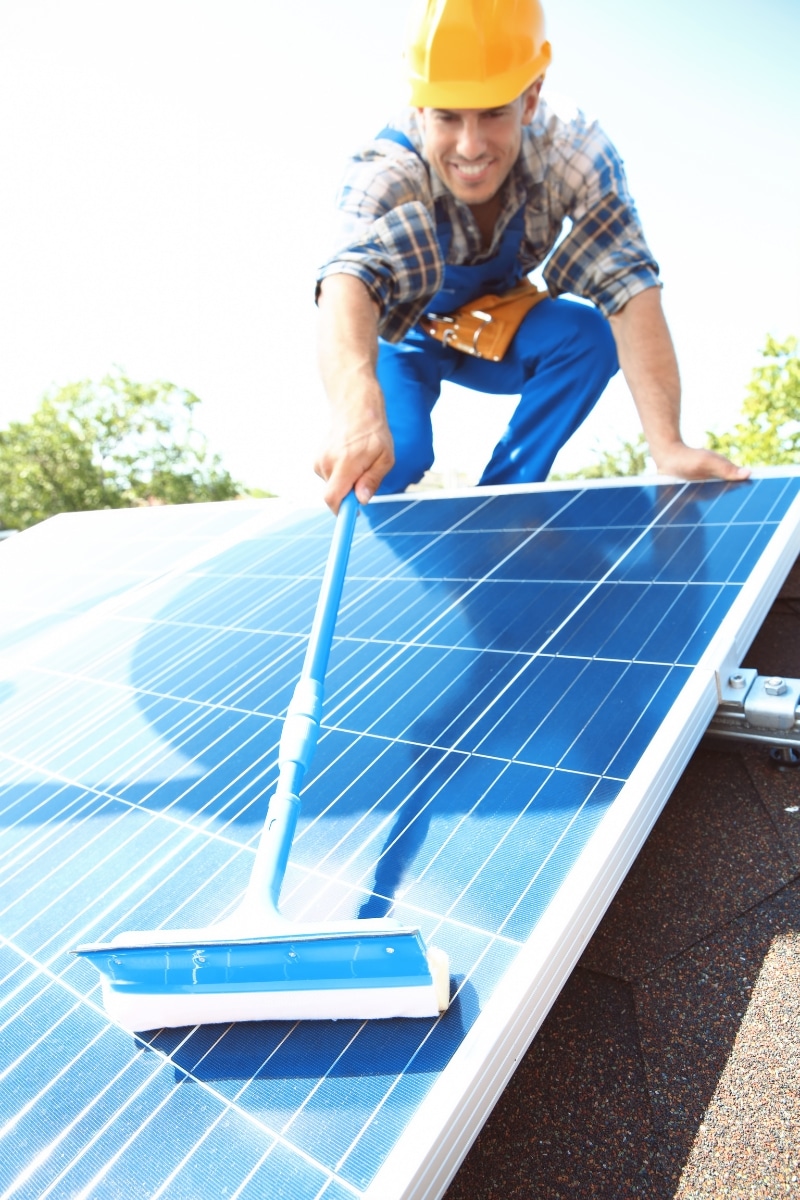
[[402, 475], [586, 326], [598, 336], [597, 345], [571, 340]]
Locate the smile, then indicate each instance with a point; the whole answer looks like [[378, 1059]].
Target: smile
[[471, 170]]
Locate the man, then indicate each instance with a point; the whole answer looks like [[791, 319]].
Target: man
[[462, 197]]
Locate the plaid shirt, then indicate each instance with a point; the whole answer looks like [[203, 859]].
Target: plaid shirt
[[567, 170]]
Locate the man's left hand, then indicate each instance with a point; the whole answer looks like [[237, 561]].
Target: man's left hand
[[689, 463]]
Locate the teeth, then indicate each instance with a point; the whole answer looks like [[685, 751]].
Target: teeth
[[471, 169]]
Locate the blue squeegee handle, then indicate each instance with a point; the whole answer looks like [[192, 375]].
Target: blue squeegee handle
[[301, 724], [319, 641]]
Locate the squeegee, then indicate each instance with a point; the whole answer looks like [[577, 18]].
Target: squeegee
[[256, 964]]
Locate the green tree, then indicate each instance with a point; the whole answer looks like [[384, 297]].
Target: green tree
[[768, 432], [112, 444]]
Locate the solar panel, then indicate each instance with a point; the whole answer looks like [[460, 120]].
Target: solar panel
[[517, 680]]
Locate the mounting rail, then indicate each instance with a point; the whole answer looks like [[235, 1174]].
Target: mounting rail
[[758, 708]]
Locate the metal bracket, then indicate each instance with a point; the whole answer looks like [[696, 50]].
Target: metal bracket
[[758, 708]]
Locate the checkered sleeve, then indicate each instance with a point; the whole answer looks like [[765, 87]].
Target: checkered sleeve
[[604, 257], [387, 235]]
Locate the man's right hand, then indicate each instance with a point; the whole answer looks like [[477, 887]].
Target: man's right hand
[[356, 456]]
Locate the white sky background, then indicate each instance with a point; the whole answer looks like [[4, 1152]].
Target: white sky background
[[168, 173]]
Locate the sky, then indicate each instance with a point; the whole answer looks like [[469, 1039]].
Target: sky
[[169, 171]]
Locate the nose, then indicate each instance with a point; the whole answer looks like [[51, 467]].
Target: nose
[[471, 142]]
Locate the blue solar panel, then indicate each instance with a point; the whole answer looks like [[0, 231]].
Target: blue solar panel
[[516, 681]]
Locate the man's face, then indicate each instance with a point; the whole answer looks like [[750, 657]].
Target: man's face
[[472, 150]]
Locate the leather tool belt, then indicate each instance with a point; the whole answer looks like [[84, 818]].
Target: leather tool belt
[[485, 326]]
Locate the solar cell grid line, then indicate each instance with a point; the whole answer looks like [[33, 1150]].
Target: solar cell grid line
[[20, 1180], [238, 521], [62, 818], [60, 701], [107, 915], [95, 803], [464, 808], [67, 779], [74, 834], [13, 802], [309, 828], [186, 654], [185, 724], [27, 854], [158, 1066], [417, 638], [65, 754], [358, 850], [185, 727]]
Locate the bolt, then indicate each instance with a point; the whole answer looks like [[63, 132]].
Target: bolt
[[737, 681], [775, 686]]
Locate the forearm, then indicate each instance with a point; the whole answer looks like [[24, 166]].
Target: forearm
[[358, 451], [647, 358], [348, 342]]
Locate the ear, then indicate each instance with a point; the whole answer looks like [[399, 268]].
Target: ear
[[530, 99]]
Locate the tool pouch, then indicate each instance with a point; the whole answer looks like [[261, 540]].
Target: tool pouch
[[485, 326]]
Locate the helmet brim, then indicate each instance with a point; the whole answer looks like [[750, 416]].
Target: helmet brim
[[482, 93]]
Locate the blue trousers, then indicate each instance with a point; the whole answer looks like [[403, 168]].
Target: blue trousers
[[559, 363]]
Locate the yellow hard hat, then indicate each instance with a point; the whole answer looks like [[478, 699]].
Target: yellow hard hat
[[474, 53]]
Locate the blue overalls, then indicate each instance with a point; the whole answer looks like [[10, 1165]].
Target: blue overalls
[[559, 363]]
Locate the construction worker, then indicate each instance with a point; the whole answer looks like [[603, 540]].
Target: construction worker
[[456, 201]]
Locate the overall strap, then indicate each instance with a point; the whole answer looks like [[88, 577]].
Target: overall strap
[[444, 230], [394, 135], [462, 283]]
